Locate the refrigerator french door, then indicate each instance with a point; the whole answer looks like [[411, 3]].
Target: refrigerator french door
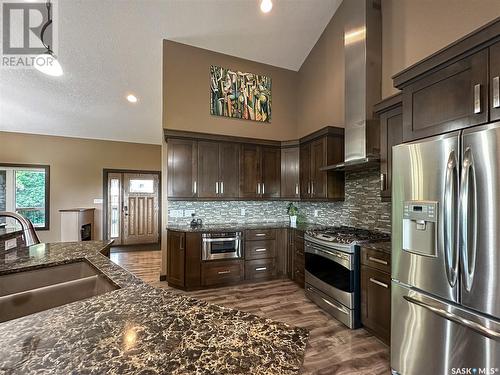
[[446, 254]]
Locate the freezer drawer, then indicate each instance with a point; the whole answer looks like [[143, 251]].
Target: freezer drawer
[[429, 336]]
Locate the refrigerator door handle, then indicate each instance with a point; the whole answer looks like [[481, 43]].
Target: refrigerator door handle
[[468, 231], [450, 202], [476, 323]]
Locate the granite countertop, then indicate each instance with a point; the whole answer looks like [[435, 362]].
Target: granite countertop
[[384, 246], [243, 226], [138, 328]]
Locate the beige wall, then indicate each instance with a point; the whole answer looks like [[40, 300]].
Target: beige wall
[[411, 30], [321, 80], [414, 29], [76, 167], [186, 94]]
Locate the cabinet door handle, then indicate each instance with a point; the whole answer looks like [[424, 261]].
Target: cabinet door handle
[[258, 188], [496, 92], [309, 187], [297, 189], [376, 260], [260, 268], [259, 250], [216, 188], [380, 283], [477, 98], [263, 188], [194, 187], [224, 272], [312, 188], [260, 234], [383, 181], [222, 187]]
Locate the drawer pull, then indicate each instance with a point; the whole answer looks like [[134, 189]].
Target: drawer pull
[[260, 268], [376, 260], [260, 234], [380, 283], [224, 272], [260, 250]]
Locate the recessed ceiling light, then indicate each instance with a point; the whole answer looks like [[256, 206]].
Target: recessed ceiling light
[[266, 6], [132, 98]]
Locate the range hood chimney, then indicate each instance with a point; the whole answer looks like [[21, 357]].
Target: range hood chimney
[[363, 75]]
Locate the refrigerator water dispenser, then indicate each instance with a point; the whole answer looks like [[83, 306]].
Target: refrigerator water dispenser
[[420, 227]]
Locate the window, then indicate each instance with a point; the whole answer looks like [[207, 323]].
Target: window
[[142, 186], [25, 189]]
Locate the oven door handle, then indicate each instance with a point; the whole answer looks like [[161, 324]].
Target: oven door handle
[[311, 249], [342, 309], [221, 239]]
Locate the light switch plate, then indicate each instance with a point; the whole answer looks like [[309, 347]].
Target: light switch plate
[[98, 200], [10, 244], [243, 212], [188, 213]]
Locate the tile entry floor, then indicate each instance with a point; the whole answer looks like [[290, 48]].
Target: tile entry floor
[[332, 347]]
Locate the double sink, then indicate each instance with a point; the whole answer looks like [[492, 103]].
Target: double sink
[[27, 292]]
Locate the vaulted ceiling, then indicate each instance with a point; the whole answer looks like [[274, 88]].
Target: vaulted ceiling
[[109, 48]]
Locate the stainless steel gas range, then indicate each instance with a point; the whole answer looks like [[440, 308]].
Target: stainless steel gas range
[[332, 270]]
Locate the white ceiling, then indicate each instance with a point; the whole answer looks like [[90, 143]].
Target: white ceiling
[[109, 48]]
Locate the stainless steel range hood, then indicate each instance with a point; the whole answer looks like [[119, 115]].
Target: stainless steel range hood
[[363, 71]]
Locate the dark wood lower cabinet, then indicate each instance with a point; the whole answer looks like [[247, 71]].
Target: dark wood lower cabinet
[[260, 269], [176, 258], [298, 258], [221, 272], [376, 293]]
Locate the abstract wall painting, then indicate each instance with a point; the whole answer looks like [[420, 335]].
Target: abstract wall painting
[[240, 95]]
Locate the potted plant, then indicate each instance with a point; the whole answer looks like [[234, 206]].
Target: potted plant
[[292, 211]]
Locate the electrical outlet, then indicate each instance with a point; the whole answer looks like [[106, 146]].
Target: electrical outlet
[[243, 212], [316, 213], [10, 244], [188, 213], [175, 213]]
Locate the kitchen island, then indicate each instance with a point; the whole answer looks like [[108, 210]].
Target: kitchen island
[[138, 328]]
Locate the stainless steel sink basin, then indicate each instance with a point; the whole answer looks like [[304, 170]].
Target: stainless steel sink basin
[[28, 292]]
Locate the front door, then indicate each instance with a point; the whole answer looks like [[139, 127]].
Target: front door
[[133, 208]]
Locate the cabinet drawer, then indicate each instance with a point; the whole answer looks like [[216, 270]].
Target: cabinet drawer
[[260, 234], [260, 269], [260, 249], [376, 259], [376, 302], [221, 272]]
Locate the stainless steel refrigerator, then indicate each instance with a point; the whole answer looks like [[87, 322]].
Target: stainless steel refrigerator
[[446, 254]]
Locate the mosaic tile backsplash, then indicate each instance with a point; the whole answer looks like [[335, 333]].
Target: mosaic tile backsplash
[[362, 207]]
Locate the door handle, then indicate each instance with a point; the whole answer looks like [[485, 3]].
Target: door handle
[[477, 98], [380, 283], [475, 326], [496, 92], [468, 264], [449, 219]]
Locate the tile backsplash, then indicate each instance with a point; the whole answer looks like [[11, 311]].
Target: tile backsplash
[[362, 207]]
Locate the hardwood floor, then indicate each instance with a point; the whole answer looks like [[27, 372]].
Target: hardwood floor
[[332, 347]]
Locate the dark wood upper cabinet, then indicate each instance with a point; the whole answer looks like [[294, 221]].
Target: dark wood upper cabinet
[[208, 169], [452, 98], [305, 170], [176, 258], [229, 165], [218, 170], [495, 82], [316, 153], [182, 168], [290, 179], [390, 112], [270, 172], [249, 171]]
